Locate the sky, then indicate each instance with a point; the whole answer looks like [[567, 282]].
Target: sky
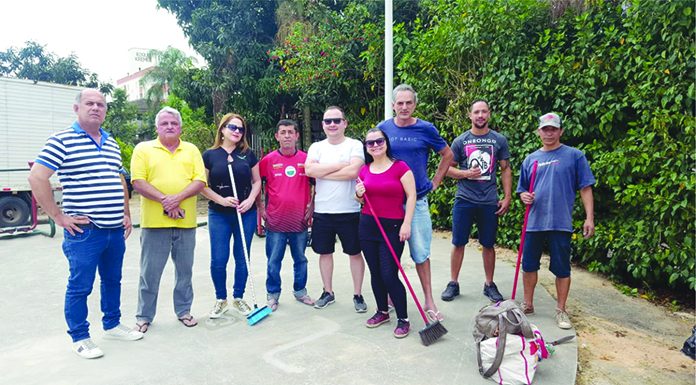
[[98, 32]]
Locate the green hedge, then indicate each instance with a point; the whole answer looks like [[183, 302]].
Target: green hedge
[[621, 74]]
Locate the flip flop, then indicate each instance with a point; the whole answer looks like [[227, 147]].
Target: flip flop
[[188, 321], [434, 315], [142, 326]]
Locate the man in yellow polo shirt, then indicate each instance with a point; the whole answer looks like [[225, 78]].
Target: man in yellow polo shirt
[[168, 173]]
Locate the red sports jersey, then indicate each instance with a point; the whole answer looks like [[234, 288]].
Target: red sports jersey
[[287, 191]]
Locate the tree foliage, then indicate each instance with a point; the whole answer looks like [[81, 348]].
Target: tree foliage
[[620, 73], [623, 79], [169, 73], [233, 37], [122, 117], [35, 63]]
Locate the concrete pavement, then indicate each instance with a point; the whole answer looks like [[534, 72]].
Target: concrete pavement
[[295, 345]]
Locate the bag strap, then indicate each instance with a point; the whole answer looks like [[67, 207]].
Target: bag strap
[[500, 349], [521, 321]]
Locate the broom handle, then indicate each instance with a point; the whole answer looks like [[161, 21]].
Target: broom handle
[[396, 259], [524, 230], [247, 261]]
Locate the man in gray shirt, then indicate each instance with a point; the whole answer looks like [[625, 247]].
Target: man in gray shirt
[[476, 153]]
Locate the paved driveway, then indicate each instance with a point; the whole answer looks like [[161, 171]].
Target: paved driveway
[[295, 345]]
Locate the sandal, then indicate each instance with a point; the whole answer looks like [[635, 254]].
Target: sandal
[[434, 315], [188, 321], [527, 309], [142, 326]]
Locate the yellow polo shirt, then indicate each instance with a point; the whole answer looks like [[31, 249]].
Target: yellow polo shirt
[[169, 173]]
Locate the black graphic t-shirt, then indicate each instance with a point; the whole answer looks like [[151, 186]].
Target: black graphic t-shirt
[[484, 151], [215, 162]]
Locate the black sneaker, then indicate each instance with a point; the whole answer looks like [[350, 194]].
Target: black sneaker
[[325, 300], [359, 303], [491, 291], [451, 291]]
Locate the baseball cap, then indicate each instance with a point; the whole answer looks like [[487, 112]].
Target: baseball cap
[[550, 119]]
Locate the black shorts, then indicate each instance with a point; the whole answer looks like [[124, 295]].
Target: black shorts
[[325, 227]]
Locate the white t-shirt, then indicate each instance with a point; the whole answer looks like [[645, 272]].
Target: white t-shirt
[[335, 196]]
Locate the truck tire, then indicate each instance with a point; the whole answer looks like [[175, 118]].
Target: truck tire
[[14, 212]]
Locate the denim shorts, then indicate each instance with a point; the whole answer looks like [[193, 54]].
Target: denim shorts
[[325, 227], [421, 232], [558, 246], [465, 214]]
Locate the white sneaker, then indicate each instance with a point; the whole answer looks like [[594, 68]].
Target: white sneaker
[[123, 333], [239, 305], [87, 349], [219, 309], [562, 319]]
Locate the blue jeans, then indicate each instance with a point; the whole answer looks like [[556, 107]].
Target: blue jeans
[[93, 249], [275, 251], [223, 226]]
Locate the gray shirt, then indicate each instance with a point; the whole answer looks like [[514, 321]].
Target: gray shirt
[[484, 151]]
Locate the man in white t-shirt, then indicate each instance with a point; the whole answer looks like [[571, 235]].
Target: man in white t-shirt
[[334, 162]]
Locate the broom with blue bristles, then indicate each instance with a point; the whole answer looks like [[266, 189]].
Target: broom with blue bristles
[[259, 313]]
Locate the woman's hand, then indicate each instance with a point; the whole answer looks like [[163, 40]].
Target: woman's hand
[[228, 202], [359, 189], [245, 205], [405, 232]]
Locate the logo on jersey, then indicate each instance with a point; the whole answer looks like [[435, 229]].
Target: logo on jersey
[[290, 171]]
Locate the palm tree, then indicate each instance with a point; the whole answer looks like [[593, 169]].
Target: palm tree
[[171, 63]]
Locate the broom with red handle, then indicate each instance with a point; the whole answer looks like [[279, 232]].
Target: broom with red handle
[[432, 330], [524, 230]]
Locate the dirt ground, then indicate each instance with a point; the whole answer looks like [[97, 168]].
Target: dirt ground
[[622, 339]]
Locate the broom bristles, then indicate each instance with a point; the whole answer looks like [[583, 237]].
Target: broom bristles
[[258, 314], [432, 332]]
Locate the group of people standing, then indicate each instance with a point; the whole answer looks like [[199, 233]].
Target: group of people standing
[[341, 187]]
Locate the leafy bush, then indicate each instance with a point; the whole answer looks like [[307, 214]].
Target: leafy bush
[[622, 76]]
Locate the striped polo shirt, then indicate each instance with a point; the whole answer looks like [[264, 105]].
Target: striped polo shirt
[[89, 174]]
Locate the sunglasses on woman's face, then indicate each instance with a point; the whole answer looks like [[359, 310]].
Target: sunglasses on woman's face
[[233, 128], [375, 143], [334, 121]]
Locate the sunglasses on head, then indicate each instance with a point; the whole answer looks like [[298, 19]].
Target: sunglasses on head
[[375, 143], [334, 121], [233, 128]]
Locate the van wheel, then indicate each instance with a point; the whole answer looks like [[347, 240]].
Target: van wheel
[[14, 212]]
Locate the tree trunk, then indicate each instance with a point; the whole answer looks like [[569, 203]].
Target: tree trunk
[[307, 132]]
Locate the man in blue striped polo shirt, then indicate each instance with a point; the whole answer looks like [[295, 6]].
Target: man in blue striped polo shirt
[[95, 217]]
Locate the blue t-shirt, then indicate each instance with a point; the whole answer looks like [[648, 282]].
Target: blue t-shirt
[[483, 151], [412, 144], [560, 173]]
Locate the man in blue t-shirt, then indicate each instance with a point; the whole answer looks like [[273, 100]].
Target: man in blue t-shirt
[[477, 152], [412, 140], [561, 171]]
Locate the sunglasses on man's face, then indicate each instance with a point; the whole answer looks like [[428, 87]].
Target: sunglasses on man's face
[[334, 121], [375, 143], [234, 127]]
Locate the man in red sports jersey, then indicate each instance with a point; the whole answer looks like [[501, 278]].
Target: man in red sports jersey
[[288, 208]]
